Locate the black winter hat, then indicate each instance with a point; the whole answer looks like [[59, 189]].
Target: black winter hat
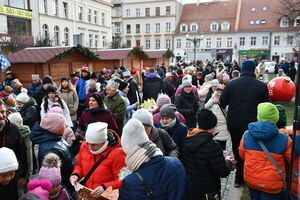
[[64, 79], [51, 89], [47, 79], [99, 98], [122, 85], [206, 119], [168, 110]]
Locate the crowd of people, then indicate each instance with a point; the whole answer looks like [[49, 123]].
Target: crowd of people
[[96, 131]]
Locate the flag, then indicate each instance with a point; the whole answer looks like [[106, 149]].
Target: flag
[[4, 63]]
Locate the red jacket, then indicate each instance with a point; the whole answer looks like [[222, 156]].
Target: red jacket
[[107, 173]]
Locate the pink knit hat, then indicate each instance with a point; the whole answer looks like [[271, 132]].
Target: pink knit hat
[[50, 169], [54, 123], [56, 109], [162, 100], [40, 188]]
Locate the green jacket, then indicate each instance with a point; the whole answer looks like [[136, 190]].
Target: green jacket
[[117, 106], [25, 131]]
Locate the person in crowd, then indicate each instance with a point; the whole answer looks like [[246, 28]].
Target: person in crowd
[[235, 74], [48, 136], [204, 89], [81, 88], [209, 70], [39, 189], [91, 90], [262, 69], [17, 86], [153, 85], [213, 104], [28, 109], [162, 100], [92, 83], [170, 123], [11, 138], [214, 83], [281, 73], [160, 71], [236, 66], [203, 159], [179, 77], [152, 176], [100, 144], [158, 136], [174, 76], [123, 89], [24, 130], [50, 170], [135, 75], [242, 95], [261, 175], [35, 85], [115, 103], [8, 167], [187, 104], [170, 89], [133, 94], [295, 193], [292, 71], [194, 88], [51, 100], [97, 112], [285, 66], [9, 78], [73, 80], [69, 95], [8, 97]]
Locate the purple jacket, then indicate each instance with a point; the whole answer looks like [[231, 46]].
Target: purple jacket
[[178, 91]]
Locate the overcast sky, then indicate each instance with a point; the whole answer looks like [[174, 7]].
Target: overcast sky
[[189, 1]]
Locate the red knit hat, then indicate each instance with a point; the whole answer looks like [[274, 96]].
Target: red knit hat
[[133, 70], [54, 123], [85, 68]]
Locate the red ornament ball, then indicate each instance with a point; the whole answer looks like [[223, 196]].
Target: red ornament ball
[[281, 89]]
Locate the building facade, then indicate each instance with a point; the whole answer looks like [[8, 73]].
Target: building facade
[[117, 25]]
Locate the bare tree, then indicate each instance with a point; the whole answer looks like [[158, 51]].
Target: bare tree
[[43, 41], [12, 42], [289, 8]]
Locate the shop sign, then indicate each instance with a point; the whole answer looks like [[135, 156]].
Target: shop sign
[[254, 52], [16, 12], [224, 51]]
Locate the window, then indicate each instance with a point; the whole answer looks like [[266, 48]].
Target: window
[[80, 13], [263, 21], [56, 36], [276, 40], [95, 17], [194, 27], [103, 41], [219, 42], [147, 11], [18, 26], [157, 27], [251, 22], [138, 43], [253, 9], [138, 12], [208, 42], [18, 4], [90, 40], [178, 43], [55, 7], [242, 41], [168, 26], [118, 12], [66, 12], [127, 12], [66, 36], [168, 44], [103, 19], [297, 22], [290, 39], [157, 11], [229, 42], [253, 41], [265, 40], [214, 27], [188, 44], [264, 8], [183, 28], [157, 44], [257, 21], [44, 6], [89, 15], [128, 28], [225, 26], [168, 10], [147, 28], [96, 40], [137, 28], [45, 31], [118, 29], [284, 22], [128, 43], [147, 44]]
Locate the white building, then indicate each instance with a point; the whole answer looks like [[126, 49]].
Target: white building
[[117, 24], [72, 22], [150, 23]]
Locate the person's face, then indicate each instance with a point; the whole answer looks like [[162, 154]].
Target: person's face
[[54, 190], [65, 84], [110, 91], [51, 95], [35, 81], [147, 129], [166, 120], [84, 74], [187, 89], [126, 90], [213, 88], [93, 104], [95, 147], [208, 68], [6, 177], [46, 85], [20, 103], [219, 91], [9, 76], [2, 115]]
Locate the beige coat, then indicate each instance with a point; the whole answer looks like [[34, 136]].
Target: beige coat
[[71, 100]]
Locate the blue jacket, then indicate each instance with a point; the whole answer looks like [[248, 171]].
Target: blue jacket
[[177, 133], [81, 89], [165, 176], [33, 88], [129, 108]]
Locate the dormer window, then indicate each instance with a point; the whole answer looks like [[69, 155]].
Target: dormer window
[[284, 22], [194, 27], [214, 27], [253, 9], [225, 26], [183, 28], [297, 22]]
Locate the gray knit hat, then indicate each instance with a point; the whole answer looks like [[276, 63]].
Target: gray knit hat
[[168, 110], [186, 83], [144, 116], [209, 77]]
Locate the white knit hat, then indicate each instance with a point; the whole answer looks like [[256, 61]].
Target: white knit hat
[[16, 118], [23, 97], [126, 73], [113, 84], [144, 116], [96, 133], [8, 161], [133, 134]]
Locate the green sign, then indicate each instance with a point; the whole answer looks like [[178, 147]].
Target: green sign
[[16, 12], [254, 52]]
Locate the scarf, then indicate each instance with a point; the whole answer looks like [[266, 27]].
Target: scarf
[[194, 131], [169, 125], [100, 150]]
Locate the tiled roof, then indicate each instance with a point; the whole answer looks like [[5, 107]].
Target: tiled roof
[[113, 54], [155, 54]]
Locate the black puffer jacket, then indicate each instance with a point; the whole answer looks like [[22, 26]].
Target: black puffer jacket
[[188, 106], [29, 113], [152, 87], [204, 162], [133, 89]]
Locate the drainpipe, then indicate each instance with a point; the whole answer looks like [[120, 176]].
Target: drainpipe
[[270, 45]]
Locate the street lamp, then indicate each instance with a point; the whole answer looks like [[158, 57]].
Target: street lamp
[[195, 40]]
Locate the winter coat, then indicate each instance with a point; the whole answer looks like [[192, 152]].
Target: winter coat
[[91, 116], [72, 101], [62, 195], [29, 113], [117, 106], [203, 91], [25, 131], [33, 88], [285, 66], [296, 169], [243, 95], [81, 88], [66, 112], [188, 106], [292, 73], [165, 176], [169, 88], [129, 108], [156, 117], [164, 142], [195, 91], [53, 143], [90, 92], [133, 91], [152, 87], [107, 173], [221, 127], [260, 174], [178, 132], [39, 96], [204, 162]]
